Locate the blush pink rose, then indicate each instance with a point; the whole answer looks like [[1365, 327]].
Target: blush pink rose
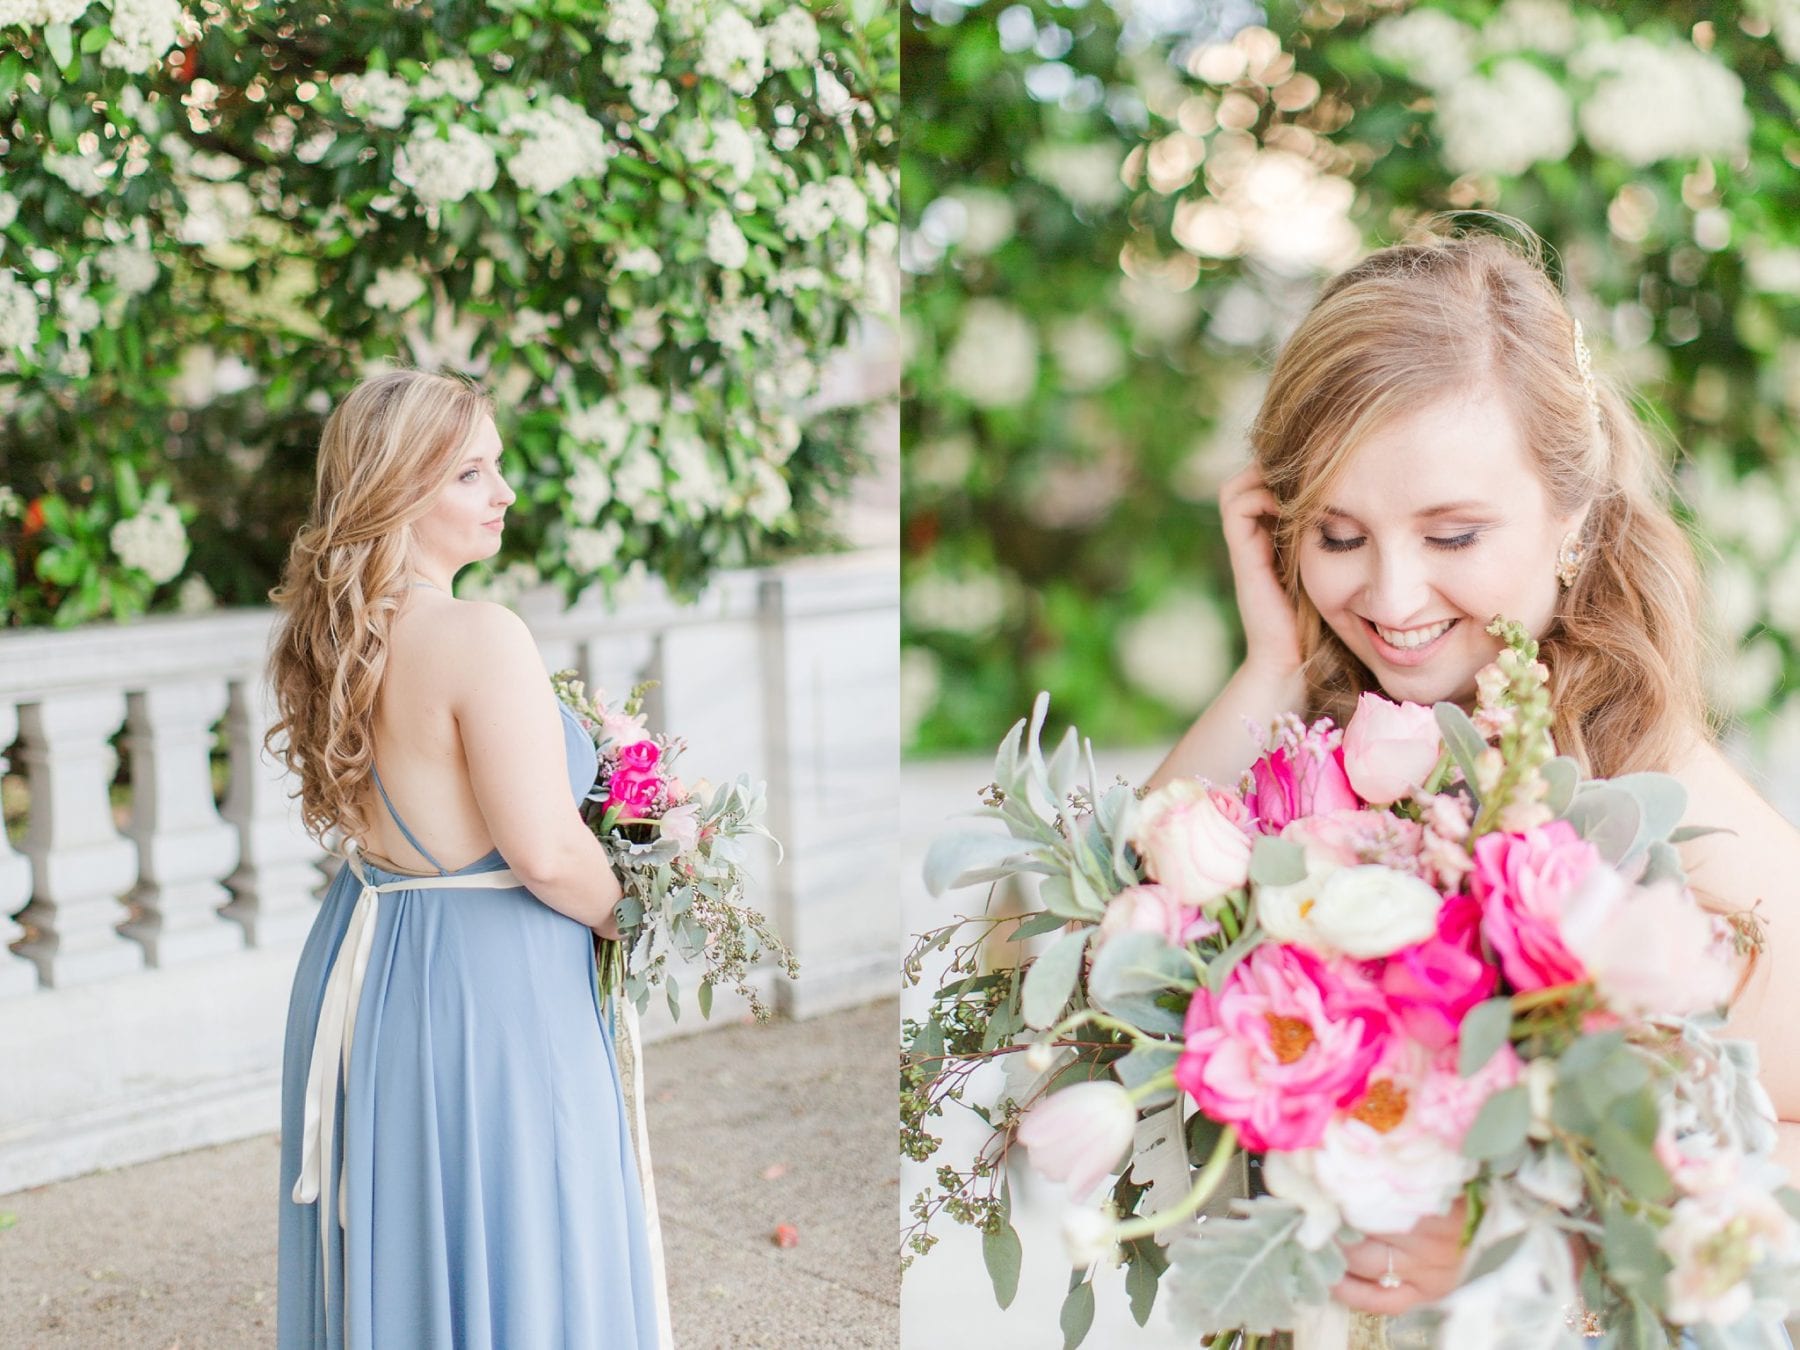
[[1523, 883], [640, 756], [1431, 985], [1189, 845], [1390, 748], [1650, 949], [1287, 784], [1153, 909], [1288, 1041]]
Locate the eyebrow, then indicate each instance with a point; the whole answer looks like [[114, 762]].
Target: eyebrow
[[1429, 512]]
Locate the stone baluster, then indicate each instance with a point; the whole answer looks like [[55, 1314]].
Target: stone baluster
[[81, 864], [276, 883], [17, 975], [185, 850]]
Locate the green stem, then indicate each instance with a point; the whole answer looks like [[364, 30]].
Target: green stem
[[1094, 1017], [1204, 1186], [1150, 1087], [1541, 998]]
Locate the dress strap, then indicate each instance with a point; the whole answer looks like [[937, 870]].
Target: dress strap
[[410, 838]]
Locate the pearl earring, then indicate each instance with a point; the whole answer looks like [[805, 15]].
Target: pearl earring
[[1568, 559]]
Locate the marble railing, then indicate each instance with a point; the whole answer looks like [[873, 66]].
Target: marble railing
[[145, 951]]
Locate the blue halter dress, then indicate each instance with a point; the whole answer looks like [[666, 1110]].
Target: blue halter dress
[[460, 1174]]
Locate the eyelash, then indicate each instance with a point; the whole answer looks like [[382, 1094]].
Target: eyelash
[[1450, 545]]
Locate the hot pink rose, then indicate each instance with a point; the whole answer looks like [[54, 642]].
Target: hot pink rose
[[1153, 909], [1286, 784], [1523, 883], [634, 792], [1431, 985], [1288, 1041], [640, 756], [1390, 748]]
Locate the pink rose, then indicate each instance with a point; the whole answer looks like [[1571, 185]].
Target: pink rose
[[1188, 845], [1153, 909], [1288, 1041], [1650, 949], [1286, 784], [682, 824], [1080, 1135], [1523, 883], [633, 792], [1432, 985], [640, 756], [1390, 748]]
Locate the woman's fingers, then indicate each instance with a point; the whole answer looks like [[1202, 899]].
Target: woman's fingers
[[1368, 1297], [1369, 1258]]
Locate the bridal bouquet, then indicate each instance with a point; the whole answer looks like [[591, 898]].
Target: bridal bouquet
[[1408, 961], [678, 850]]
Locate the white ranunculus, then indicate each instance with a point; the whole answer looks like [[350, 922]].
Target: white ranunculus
[[1369, 911], [153, 541], [1505, 122], [591, 550], [1285, 912], [442, 169], [395, 289], [994, 360]]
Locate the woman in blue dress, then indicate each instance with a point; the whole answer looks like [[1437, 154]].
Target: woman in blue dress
[[456, 1167]]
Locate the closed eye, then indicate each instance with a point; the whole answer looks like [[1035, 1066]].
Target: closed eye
[[1332, 545], [1459, 541]]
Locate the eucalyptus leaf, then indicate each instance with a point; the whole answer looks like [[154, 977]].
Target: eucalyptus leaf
[[1144, 1063], [1607, 817], [1464, 741], [1141, 1280], [1051, 979], [1633, 1260], [1484, 1030], [1248, 1271], [1500, 1125], [1036, 925], [1077, 1314], [1275, 861], [1561, 777], [1687, 832], [1662, 801], [956, 860], [1002, 1253]]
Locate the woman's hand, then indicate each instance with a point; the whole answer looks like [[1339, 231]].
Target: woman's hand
[[608, 927], [1426, 1262], [1248, 511]]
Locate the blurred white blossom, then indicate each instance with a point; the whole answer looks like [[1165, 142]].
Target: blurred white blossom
[[1088, 355], [1546, 26], [1088, 175], [142, 31], [994, 360], [732, 52], [919, 684], [82, 172], [1654, 101], [589, 488], [194, 596], [592, 550], [446, 168], [1505, 122], [769, 497], [19, 315], [973, 603], [725, 242], [452, 76], [792, 40], [375, 98], [630, 23], [557, 142], [642, 261], [153, 541], [1179, 652], [1429, 45]]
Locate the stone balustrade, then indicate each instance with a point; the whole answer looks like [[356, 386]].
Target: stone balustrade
[[146, 952]]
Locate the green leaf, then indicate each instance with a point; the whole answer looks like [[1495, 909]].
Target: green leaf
[[1051, 979], [1077, 1314], [1130, 973], [1248, 1270], [1632, 1259], [956, 860], [1493, 1257], [1036, 926], [1275, 861], [1484, 1031], [1609, 818], [1144, 1063], [1500, 1125], [1561, 776], [706, 997], [673, 992], [1141, 1280], [1465, 743], [1002, 1253], [62, 51], [94, 39], [1630, 1159], [125, 484]]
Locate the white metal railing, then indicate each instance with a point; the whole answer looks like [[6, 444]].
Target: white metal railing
[[144, 970]]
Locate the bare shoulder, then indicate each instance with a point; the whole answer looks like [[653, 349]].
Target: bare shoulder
[[1760, 857], [486, 650]]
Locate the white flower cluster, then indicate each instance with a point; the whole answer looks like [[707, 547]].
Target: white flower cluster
[[724, 146], [1506, 122], [1430, 46], [816, 207], [9, 208], [216, 213], [78, 311], [606, 425], [792, 41], [375, 98], [82, 172], [19, 316], [768, 497], [732, 52], [395, 289], [153, 541], [130, 266], [1088, 175], [558, 142], [994, 361], [590, 550], [725, 242], [638, 485], [1653, 101], [589, 488], [736, 324], [694, 487], [451, 77], [446, 168], [654, 100], [35, 13], [142, 31], [1546, 26], [630, 23]]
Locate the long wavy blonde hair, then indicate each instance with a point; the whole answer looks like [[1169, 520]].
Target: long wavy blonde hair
[[1443, 314], [387, 449]]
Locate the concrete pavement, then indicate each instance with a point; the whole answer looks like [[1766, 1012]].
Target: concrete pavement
[[750, 1127]]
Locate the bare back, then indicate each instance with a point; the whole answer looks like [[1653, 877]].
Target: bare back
[[418, 749]]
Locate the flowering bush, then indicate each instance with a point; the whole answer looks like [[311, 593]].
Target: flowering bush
[[215, 219], [1109, 226]]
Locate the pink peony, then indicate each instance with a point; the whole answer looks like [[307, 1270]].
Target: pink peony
[[640, 756], [1080, 1135], [1649, 949], [1298, 781], [1390, 748], [1189, 845], [1288, 1041], [1431, 985], [1153, 909], [1523, 883]]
